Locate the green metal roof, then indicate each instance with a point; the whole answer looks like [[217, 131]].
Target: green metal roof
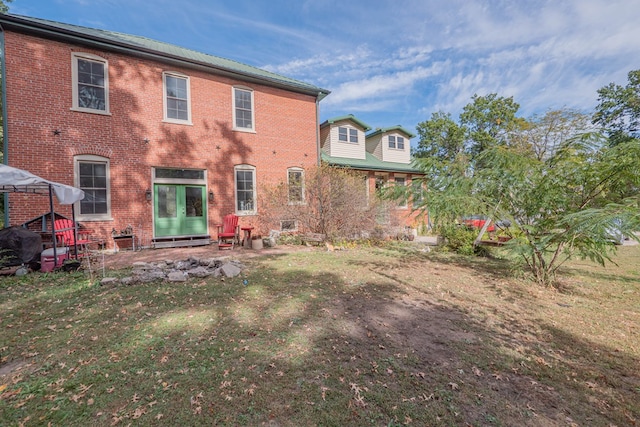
[[350, 117], [391, 129], [372, 163], [159, 50]]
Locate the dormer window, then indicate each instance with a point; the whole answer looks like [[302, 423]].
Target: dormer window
[[346, 134], [396, 142]]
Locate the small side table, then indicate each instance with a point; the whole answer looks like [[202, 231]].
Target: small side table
[[246, 235]]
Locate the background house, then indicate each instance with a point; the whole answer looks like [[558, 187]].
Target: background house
[[383, 156], [163, 139]]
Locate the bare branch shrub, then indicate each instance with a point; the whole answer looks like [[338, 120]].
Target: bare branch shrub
[[336, 204]]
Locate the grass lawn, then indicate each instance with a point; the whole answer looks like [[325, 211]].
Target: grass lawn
[[367, 336]]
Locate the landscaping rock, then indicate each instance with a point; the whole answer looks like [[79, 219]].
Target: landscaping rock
[[230, 270], [177, 276], [199, 272], [180, 270], [108, 281]]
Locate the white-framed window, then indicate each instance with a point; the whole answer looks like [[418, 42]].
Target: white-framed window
[[91, 175], [401, 181], [90, 74], [176, 98], [396, 142], [347, 134], [295, 181], [245, 185], [243, 117]]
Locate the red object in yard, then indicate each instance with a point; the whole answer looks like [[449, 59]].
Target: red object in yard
[[228, 232], [477, 221], [47, 261]]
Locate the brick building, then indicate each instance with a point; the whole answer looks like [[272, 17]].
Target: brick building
[[163, 139], [382, 156]]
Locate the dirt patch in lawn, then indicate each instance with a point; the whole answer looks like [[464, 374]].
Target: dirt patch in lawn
[[490, 345]]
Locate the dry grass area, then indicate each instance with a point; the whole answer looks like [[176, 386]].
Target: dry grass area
[[366, 336]]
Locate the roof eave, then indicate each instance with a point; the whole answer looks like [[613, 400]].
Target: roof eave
[[381, 168], [37, 28], [349, 117]]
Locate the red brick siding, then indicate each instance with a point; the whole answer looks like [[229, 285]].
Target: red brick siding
[[404, 216], [39, 100]]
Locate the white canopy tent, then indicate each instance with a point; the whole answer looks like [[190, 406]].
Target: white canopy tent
[[13, 180]]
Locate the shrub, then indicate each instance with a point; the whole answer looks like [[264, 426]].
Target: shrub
[[336, 204], [458, 238]]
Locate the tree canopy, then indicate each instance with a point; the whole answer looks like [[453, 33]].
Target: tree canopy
[[4, 7], [618, 109]]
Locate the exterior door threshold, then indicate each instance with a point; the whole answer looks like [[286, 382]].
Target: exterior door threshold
[[180, 241]]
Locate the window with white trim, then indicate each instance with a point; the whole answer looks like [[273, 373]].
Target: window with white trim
[[177, 103], [295, 180], [347, 134], [243, 109], [92, 177], [245, 185], [396, 142], [90, 74]]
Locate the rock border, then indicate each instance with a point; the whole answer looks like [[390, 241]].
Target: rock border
[[178, 271]]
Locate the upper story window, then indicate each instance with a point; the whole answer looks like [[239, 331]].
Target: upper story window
[[295, 179], [396, 142], [176, 98], [245, 182], [346, 134], [90, 75], [243, 109], [92, 177]]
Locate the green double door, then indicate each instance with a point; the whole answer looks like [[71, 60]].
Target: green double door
[[179, 210]]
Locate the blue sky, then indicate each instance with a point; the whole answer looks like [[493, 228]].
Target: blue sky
[[395, 62]]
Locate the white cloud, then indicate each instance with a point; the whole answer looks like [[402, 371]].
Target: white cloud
[[383, 85]]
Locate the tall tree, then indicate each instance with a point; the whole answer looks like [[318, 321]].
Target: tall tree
[[618, 109], [488, 120], [544, 134], [559, 186], [484, 123], [441, 138], [4, 8]]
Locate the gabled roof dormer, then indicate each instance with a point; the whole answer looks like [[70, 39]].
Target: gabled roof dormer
[[344, 136], [392, 144]]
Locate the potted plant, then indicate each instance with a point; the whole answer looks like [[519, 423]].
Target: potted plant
[[256, 242]]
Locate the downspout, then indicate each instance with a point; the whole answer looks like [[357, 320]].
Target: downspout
[[5, 139], [319, 155], [318, 127]]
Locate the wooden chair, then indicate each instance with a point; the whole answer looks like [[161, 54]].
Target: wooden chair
[[228, 232], [66, 232]]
